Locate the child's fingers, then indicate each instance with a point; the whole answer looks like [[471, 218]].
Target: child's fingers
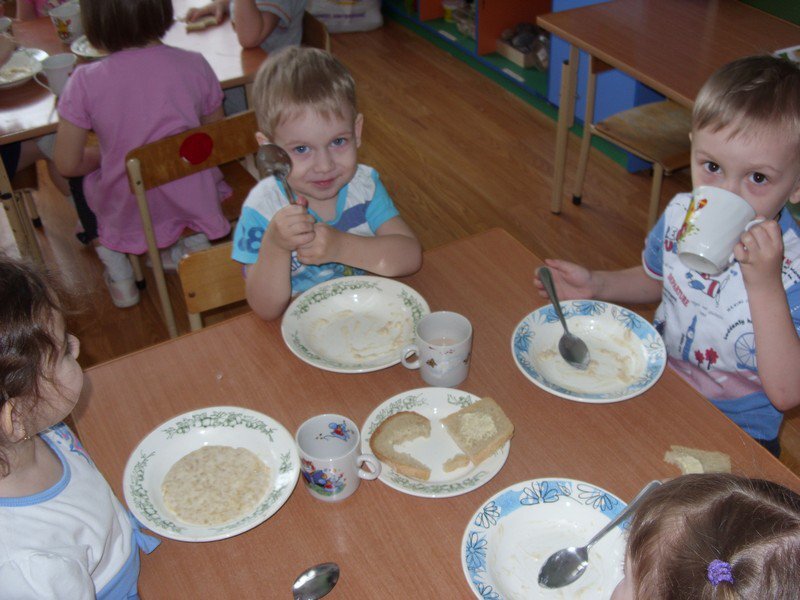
[[302, 201]]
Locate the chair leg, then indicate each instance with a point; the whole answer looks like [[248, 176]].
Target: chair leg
[[163, 293], [195, 321], [138, 274], [655, 195], [30, 207], [586, 141]]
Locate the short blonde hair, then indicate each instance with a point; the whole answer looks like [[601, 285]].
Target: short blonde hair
[[296, 78], [749, 94]]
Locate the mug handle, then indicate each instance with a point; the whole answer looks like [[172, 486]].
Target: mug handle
[[374, 466], [408, 351], [41, 83], [747, 228]]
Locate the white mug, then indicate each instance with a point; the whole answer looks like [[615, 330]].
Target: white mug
[[5, 24], [443, 348], [330, 463], [714, 223], [57, 69], [66, 19]]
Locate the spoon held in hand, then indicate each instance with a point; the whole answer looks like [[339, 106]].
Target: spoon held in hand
[[572, 348]]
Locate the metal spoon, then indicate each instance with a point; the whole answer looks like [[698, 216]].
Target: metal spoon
[[566, 565], [572, 348], [315, 582], [271, 159]]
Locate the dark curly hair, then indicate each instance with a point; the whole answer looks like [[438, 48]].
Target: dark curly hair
[[29, 301]]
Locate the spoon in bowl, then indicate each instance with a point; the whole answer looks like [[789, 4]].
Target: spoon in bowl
[[271, 159], [572, 348], [568, 564], [315, 582]]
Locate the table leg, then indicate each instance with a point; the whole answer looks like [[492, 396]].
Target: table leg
[[566, 115]]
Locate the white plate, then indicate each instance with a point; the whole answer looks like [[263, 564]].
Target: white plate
[[435, 404], [21, 67], [627, 353], [218, 425], [510, 536], [353, 324], [83, 48]]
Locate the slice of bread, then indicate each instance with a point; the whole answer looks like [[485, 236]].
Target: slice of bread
[[396, 429], [479, 429], [692, 460], [455, 462]]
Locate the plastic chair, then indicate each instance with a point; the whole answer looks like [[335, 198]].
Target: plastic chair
[[315, 34], [657, 132], [210, 279], [223, 143]]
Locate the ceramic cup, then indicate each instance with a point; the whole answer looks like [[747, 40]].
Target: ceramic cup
[[714, 223], [57, 69], [329, 458], [67, 21], [5, 25], [442, 349]]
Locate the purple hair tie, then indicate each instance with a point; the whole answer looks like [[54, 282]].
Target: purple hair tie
[[718, 571]]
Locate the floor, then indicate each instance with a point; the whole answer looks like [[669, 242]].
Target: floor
[[458, 153]]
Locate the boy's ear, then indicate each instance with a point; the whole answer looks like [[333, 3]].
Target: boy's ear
[[10, 425], [261, 138], [794, 197], [359, 125]]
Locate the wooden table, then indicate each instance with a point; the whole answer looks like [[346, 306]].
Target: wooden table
[[672, 46], [29, 111], [389, 544]]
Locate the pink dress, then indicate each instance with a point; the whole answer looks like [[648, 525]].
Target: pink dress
[[128, 99], [43, 6]]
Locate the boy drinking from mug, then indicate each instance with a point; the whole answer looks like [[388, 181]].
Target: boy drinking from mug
[[732, 336]]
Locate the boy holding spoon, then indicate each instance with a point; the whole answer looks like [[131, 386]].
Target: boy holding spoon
[[344, 222]]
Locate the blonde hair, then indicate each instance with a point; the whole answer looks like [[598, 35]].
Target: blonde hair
[[751, 525], [754, 92], [297, 78]]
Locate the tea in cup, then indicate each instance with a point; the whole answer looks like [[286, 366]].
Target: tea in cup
[[57, 69], [442, 349], [714, 223], [67, 21], [329, 459]]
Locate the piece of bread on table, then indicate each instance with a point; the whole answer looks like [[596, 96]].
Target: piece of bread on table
[[692, 460], [396, 429], [201, 23], [479, 429]]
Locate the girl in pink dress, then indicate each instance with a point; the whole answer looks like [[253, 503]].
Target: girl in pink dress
[[143, 91], [31, 9]]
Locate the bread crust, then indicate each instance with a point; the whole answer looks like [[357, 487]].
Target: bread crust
[[396, 429]]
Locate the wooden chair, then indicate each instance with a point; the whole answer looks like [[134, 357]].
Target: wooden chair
[[657, 132], [315, 34], [157, 163], [210, 279], [16, 199]]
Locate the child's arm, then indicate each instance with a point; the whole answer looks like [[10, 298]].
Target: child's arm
[[269, 286], [777, 345], [214, 116], [71, 155], [393, 251], [632, 286], [252, 25]]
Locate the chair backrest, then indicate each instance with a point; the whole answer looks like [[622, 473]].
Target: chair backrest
[[218, 144], [210, 279], [185, 153], [315, 34]]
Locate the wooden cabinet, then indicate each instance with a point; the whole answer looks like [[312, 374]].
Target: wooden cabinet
[[491, 18]]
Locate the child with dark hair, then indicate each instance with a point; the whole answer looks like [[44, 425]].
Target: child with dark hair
[[714, 536], [143, 91], [65, 534]]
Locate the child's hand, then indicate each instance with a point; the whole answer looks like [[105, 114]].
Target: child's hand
[[217, 9], [324, 248], [571, 280], [290, 228], [760, 253]]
